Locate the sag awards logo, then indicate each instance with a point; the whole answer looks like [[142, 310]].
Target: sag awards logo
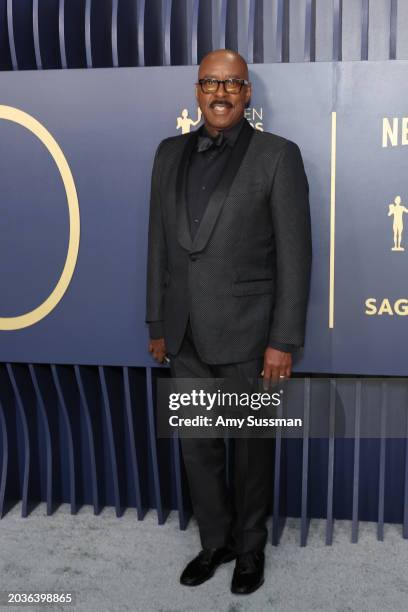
[[394, 134], [397, 211], [386, 306], [185, 123]]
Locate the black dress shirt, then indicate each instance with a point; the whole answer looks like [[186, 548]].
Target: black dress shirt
[[206, 165], [205, 170]]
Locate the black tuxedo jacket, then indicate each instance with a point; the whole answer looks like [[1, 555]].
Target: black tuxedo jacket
[[244, 279]]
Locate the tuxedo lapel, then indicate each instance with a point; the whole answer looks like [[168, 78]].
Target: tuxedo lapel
[[220, 193], [183, 226]]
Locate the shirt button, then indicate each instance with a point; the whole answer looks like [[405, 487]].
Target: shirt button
[[195, 220], [203, 187]]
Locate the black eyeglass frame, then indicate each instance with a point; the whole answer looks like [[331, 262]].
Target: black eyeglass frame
[[242, 82]]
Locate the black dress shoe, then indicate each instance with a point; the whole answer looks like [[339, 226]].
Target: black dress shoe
[[204, 565], [248, 573]]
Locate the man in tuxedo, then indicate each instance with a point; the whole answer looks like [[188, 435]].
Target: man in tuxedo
[[228, 277]]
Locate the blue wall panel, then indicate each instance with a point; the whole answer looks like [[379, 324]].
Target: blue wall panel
[[71, 25], [160, 32], [46, 33], [5, 56], [20, 25]]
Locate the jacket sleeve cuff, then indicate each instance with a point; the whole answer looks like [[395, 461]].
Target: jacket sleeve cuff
[[156, 330], [281, 346]]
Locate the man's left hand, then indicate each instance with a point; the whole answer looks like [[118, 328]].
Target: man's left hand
[[277, 366]]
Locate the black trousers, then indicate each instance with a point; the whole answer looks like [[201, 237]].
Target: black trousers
[[234, 516]]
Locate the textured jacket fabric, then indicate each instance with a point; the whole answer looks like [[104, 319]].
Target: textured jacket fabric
[[244, 279]]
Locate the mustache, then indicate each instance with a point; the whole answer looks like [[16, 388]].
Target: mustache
[[220, 102]]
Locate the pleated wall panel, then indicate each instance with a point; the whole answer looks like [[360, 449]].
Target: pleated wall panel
[[5, 53], [46, 33], [71, 25], [20, 34], [96, 33]]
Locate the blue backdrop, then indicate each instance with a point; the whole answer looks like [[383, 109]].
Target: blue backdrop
[[108, 123]]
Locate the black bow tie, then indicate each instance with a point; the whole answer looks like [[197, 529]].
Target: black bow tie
[[205, 142]]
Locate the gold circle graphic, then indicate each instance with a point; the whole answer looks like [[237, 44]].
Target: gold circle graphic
[[33, 316]]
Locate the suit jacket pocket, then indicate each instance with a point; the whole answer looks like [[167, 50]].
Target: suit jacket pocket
[[253, 287], [246, 189]]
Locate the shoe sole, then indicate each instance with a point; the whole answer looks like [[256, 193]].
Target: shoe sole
[[225, 560], [250, 591]]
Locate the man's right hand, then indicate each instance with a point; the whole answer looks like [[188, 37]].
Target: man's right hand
[[158, 349]]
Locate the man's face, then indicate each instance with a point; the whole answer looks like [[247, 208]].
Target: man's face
[[222, 110]]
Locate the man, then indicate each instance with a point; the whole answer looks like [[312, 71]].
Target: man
[[228, 279]]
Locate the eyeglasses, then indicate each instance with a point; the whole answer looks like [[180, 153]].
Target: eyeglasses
[[232, 86]]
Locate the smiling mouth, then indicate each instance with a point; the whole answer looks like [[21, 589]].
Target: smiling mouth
[[220, 106]]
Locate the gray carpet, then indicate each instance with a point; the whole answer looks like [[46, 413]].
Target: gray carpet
[[124, 564]]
